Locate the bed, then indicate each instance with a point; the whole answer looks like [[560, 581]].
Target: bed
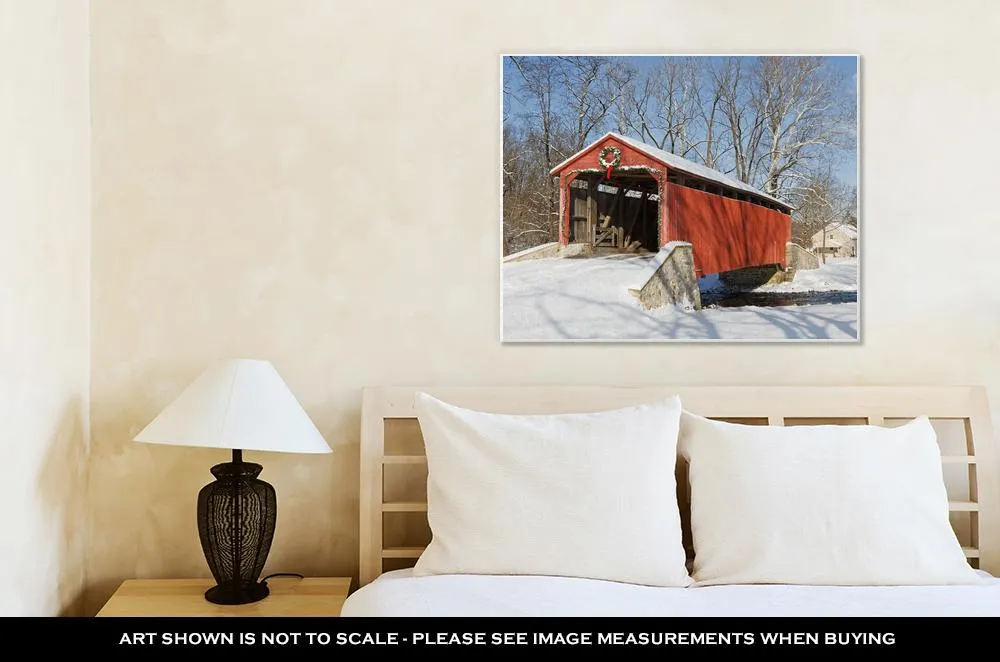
[[395, 532]]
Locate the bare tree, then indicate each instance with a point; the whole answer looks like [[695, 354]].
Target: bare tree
[[510, 96], [823, 204], [633, 109], [659, 107], [676, 95], [712, 145], [622, 77], [593, 87], [540, 77], [797, 100], [744, 121], [630, 108], [783, 116], [526, 213]]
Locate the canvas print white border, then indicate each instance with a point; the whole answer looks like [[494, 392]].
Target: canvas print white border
[[680, 198]]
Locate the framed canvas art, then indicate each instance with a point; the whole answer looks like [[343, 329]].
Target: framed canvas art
[[680, 198]]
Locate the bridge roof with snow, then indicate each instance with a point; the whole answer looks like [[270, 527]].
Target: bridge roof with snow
[[676, 163]]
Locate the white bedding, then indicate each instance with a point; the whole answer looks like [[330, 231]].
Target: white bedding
[[398, 593]]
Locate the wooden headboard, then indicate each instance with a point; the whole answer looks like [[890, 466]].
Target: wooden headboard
[[394, 527]]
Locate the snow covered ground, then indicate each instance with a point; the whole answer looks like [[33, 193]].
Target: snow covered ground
[[588, 299]]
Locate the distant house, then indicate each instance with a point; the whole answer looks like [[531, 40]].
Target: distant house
[[840, 241]]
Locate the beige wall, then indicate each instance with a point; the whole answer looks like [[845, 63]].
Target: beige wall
[[44, 303], [257, 169]]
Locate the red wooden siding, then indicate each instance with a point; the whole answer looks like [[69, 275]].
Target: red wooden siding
[[724, 233], [590, 159], [564, 207]]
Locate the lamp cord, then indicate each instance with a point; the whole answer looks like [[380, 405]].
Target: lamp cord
[[283, 574]]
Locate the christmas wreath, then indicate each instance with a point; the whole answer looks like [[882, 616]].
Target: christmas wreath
[[615, 156]]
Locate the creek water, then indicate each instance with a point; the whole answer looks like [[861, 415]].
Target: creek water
[[730, 299]]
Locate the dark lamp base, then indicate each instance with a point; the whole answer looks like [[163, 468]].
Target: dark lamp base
[[236, 514], [231, 594]]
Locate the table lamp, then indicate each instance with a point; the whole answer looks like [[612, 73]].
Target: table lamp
[[237, 404]]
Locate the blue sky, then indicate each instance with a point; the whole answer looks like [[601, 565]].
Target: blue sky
[[847, 167]]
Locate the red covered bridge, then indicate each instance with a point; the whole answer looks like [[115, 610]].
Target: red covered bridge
[[619, 193]]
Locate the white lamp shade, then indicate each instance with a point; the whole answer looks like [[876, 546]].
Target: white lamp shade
[[237, 404]]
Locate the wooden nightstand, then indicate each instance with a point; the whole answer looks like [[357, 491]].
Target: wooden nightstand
[[290, 596]]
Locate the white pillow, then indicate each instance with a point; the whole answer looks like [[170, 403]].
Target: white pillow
[[575, 495], [824, 504]]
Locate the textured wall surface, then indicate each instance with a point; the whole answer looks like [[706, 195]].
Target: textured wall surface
[[44, 304], [797, 257], [261, 171], [672, 280]]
